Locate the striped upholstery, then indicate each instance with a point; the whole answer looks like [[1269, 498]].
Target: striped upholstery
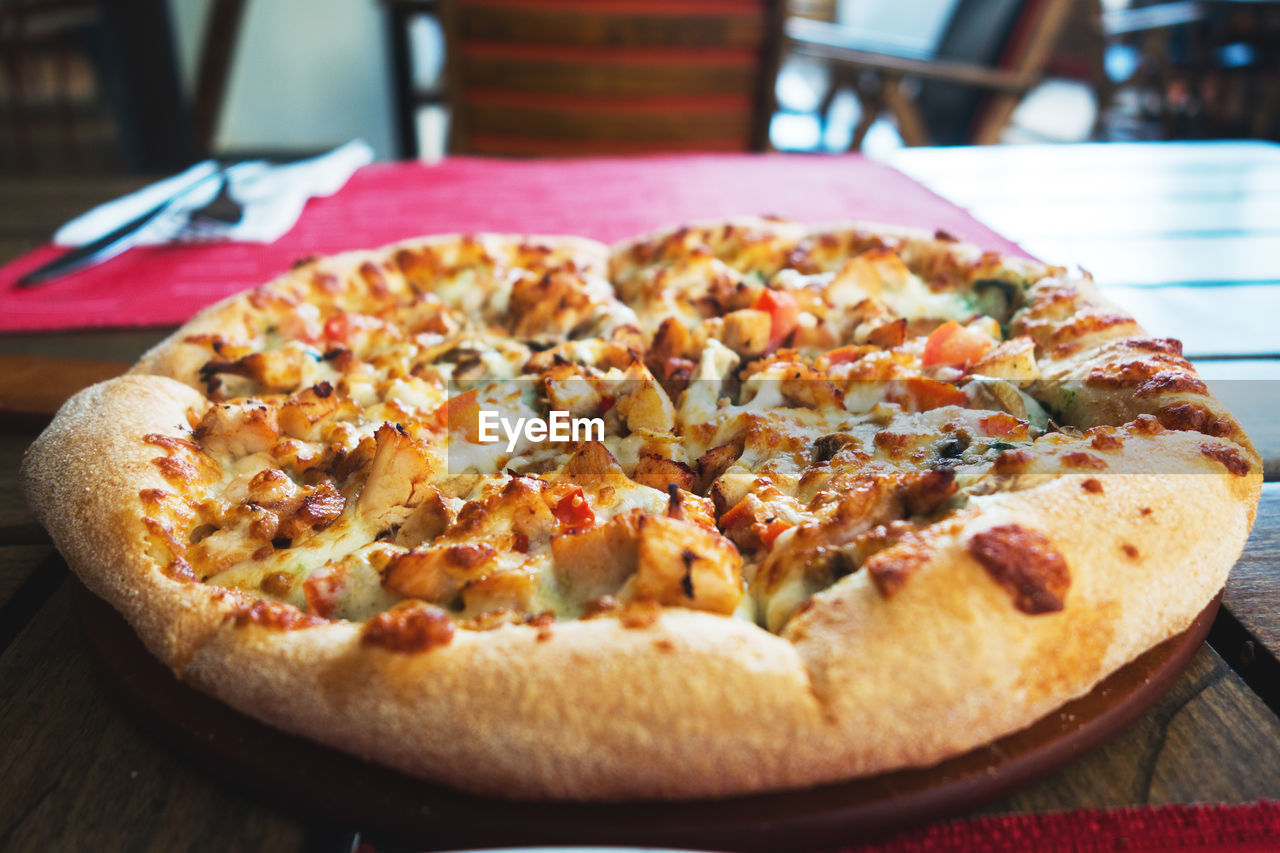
[[570, 77]]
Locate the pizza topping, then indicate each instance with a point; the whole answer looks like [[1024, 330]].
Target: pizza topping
[[277, 584], [1026, 564], [779, 410], [1195, 418], [890, 569], [658, 472], [572, 510], [952, 345], [1231, 458], [1013, 359], [398, 478], [784, 315], [1103, 440], [748, 332], [324, 589], [1080, 459], [273, 614], [685, 565], [409, 630]]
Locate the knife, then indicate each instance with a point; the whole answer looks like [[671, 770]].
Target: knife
[[105, 247]]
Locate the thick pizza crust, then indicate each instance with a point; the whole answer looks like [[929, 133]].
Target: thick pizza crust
[[83, 476], [694, 704]]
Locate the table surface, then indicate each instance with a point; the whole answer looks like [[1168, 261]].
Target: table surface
[[1184, 235]]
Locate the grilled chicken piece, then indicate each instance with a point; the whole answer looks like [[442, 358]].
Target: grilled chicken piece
[[397, 482]]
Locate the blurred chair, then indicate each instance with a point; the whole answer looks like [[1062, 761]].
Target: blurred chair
[[602, 77], [1203, 69], [108, 70], [40, 43], [1080, 55], [991, 53]]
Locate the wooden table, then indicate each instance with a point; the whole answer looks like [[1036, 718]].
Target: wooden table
[[76, 772]]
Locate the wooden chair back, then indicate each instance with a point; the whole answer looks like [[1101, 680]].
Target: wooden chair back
[[1016, 36], [603, 77]]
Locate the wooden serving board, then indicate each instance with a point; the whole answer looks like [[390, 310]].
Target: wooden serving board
[[338, 789]]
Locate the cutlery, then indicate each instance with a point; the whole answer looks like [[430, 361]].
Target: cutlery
[[220, 213], [220, 209]]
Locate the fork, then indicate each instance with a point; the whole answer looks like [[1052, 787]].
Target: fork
[[226, 211], [210, 221]]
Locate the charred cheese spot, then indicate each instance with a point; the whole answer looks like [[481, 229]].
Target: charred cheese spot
[[889, 570], [1013, 461], [1230, 458], [1092, 486], [639, 614], [408, 630], [274, 615], [1195, 418], [278, 584], [1104, 441], [1026, 564], [184, 461], [1080, 459], [1146, 425]]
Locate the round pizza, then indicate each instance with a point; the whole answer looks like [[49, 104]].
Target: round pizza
[[733, 507]]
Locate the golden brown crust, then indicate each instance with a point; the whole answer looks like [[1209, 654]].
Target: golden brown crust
[[83, 478], [948, 662], [923, 656], [693, 705]]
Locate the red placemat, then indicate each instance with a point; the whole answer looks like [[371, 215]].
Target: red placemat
[[1168, 829], [608, 199]]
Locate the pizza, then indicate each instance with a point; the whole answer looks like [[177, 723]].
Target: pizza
[[732, 507]]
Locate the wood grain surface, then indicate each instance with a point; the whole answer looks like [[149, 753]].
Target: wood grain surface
[[1253, 594], [82, 776], [78, 775]]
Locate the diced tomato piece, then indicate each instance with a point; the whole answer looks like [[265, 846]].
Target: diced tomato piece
[[784, 314], [929, 393], [847, 355], [338, 328], [772, 530], [742, 525], [1004, 425], [343, 328], [955, 346], [737, 514], [460, 413], [573, 511], [324, 590]]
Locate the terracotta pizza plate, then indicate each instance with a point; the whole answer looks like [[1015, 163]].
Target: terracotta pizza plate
[[314, 781]]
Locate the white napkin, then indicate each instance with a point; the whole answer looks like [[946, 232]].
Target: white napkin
[[273, 198]]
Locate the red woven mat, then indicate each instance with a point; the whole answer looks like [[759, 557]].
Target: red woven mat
[[1252, 828], [608, 199]]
